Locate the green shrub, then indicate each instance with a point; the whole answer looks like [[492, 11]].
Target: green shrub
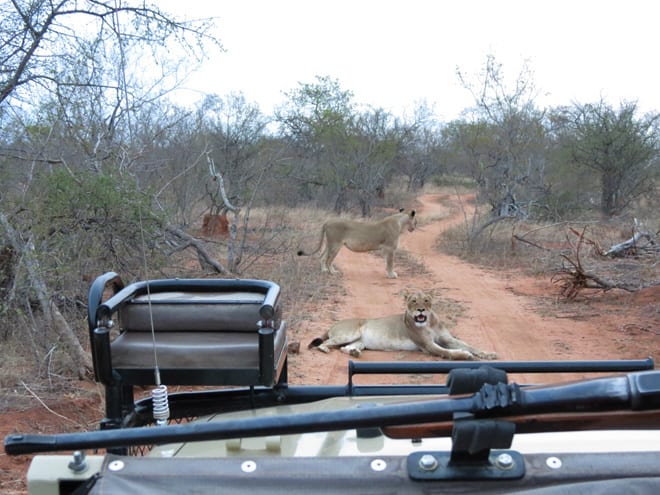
[[89, 223]]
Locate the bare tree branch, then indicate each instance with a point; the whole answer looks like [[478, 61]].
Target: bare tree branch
[[217, 177], [205, 258], [633, 242]]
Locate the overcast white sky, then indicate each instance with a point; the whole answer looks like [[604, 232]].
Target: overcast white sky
[[392, 54]]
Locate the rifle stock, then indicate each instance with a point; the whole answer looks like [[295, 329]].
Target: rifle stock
[[540, 423]]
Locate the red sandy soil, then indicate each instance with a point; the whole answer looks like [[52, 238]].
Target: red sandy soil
[[518, 317]]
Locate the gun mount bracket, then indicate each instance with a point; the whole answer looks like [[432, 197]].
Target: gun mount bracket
[[431, 466]]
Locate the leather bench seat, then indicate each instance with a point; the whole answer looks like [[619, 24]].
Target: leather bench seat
[[195, 334], [199, 332]]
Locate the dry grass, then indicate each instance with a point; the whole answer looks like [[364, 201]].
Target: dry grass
[[546, 248]]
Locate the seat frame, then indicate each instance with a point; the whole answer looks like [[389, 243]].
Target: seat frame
[[271, 370]]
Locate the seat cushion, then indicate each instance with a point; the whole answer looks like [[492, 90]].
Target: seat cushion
[[191, 350]]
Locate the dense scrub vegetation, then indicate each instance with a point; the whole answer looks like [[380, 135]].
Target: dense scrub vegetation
[[100, 170]]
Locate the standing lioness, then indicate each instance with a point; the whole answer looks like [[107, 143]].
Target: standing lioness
[[419, 328], [362, 237]]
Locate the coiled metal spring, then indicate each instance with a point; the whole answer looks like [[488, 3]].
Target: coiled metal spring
[[160, 405]]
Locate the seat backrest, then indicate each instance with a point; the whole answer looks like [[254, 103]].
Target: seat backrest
[[233, 304], [178, 311]]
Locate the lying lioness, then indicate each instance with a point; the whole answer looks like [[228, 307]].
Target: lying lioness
[[419, 328]]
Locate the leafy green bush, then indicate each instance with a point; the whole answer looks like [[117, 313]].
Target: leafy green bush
[[89, 223]]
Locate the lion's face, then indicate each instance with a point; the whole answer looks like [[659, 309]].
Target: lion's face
[[419, 306]]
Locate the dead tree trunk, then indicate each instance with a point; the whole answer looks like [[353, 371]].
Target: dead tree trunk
[[233, 258], [633, 242], [51, 313]]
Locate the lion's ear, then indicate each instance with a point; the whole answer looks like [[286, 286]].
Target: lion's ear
[[405, 293], [401, 210], [412, 213]]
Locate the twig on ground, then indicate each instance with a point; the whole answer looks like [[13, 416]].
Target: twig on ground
[[518, 238], [45, 406]]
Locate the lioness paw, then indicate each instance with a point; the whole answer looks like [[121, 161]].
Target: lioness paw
[[488, 355], [462, 355], [351, 351]]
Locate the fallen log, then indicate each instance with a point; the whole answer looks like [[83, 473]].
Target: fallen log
[[204, 257], [575, 278], [633, 242]]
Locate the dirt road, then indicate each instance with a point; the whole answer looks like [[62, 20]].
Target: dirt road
[[491, 310]]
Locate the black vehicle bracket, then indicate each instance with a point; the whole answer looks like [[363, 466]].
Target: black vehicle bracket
[[472, 456]]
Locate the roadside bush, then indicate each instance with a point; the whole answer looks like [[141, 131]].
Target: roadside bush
[[81, 224], [89, 222]]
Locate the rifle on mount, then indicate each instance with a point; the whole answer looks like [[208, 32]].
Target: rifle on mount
[[631, 400]]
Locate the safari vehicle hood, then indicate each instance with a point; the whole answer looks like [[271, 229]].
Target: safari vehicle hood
[[402, 443]]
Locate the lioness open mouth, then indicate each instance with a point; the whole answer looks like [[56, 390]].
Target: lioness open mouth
[[420, 318]]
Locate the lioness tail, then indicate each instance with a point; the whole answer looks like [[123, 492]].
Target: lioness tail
[[303, 253]]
